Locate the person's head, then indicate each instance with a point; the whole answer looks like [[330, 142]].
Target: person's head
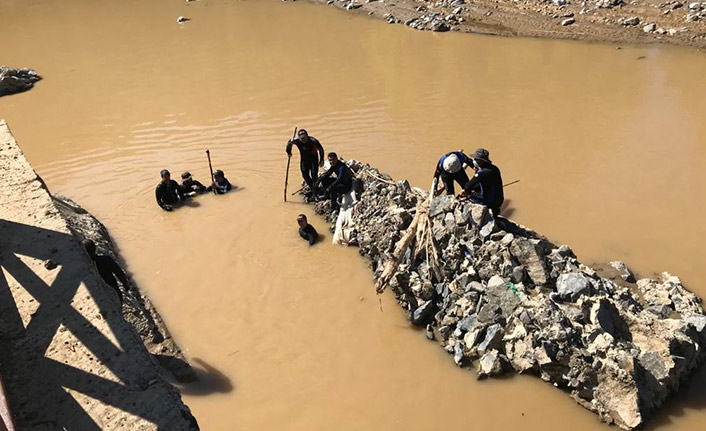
[[452, 164], [186, 178], [165, 175], [302, 221], [481, 157], [332, 158], [218, 175], [90, 247], [303, 135]]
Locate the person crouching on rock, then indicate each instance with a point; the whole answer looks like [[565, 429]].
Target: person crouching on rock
[[311, 157], [221, 183], [108, 269], [486, 186], [451, 168], [168, 192], [189, 186], [343, 183], [306, 230]]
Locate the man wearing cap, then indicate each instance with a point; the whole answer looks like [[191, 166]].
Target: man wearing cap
[[221, 183], [168, 192], [311, 156], [189, 186], [451, 168], [486, 186]]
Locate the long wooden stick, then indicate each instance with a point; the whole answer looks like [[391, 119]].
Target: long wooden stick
[[210, 168], [511, 183], [289, 159]]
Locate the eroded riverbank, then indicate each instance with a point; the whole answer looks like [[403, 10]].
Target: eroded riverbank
[[612, 21]]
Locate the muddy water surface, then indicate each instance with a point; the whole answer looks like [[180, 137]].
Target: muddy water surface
[[609, 146]]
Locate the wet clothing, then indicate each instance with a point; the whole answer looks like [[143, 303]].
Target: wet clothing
[[447, 178], [222, 187], [309, 233], [486, 187], [111, 272], [311, 155], [340, 186], [168, 194], [193, 186]]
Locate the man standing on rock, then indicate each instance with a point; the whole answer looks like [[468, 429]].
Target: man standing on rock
[[311, 156], [168, 192], [451, 168], [341, 185], [486, 187], [108, 269]]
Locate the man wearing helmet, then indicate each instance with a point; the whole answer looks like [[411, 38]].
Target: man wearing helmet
[[451, 168]]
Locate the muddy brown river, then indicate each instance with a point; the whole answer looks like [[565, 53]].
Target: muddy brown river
[[609, 146]]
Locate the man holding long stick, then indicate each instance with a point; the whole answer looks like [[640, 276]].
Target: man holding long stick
[[311, 154]]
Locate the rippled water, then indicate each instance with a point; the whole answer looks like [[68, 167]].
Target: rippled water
[[608, 146]]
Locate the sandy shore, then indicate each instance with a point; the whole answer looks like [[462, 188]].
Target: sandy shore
[[633, 22]]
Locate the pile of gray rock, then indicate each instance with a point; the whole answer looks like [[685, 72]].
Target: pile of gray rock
[[16, 80], [503, 298]]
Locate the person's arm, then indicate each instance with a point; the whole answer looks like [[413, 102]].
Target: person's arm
[[474, 183], [320, 149], [158, 194], [200, 187], [437, 171], [466, 160], [227, 187], [180, 193], [289, 147], [325, 175], [339, 174]]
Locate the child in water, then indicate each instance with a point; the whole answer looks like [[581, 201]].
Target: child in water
[[306, 230]]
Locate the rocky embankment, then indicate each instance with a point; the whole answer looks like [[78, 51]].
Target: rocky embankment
[[636, 21], [500, 298], [16, 80]]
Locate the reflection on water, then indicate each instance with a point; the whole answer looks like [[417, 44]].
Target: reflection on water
[[608, 149]]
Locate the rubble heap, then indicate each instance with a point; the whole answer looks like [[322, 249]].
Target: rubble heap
[[16, 80], [502, 298]]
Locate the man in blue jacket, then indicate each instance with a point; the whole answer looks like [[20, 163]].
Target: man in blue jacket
[[451, 169], [341, 185]]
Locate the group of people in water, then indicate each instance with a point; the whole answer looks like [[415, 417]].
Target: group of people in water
[[484, 187], [170, 193]]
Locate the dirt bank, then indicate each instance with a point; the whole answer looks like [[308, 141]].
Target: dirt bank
[[68, 358], [633, 22]]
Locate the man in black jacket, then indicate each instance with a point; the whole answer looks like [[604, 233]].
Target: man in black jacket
[[189, 186], [311, 156], [343, 183], [306, 230], [168, 192], [486, 186]]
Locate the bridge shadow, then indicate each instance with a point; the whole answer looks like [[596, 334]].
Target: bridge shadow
[[43, 377]]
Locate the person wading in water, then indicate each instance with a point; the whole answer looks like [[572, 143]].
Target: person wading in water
[[311, 155], [168, 192], [306, 230], [486, 186], [451, 168], [189, 186]]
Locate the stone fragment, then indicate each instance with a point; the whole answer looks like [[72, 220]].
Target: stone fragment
[[570, 287]]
